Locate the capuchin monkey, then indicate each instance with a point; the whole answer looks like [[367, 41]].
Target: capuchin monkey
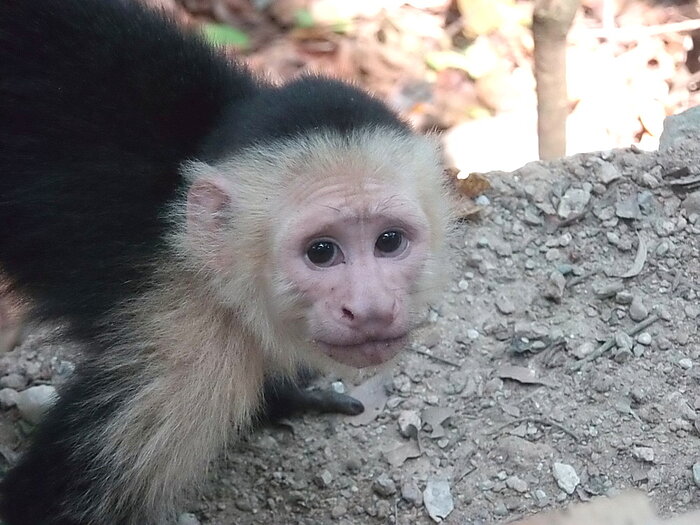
[[200, 231]]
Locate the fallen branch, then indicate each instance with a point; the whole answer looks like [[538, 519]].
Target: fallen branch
[[436, 358], [539, 421], [610, 343]]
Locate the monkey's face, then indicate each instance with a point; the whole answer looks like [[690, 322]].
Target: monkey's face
[[354, 252], [332, 248]]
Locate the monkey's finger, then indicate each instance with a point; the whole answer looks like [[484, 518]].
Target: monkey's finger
[[330, 401]]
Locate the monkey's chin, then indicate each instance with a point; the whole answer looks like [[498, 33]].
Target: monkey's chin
[[363, 355]]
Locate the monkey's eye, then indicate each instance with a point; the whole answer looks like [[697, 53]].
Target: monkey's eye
[[323, 253], [390, 243]]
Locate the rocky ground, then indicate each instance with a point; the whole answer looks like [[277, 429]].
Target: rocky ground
[[562, 363]]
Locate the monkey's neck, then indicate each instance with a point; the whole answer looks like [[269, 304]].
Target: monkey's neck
[[205, 344]]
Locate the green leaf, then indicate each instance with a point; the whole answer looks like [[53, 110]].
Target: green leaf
[[223, 35], [439, 60], [303, 19]]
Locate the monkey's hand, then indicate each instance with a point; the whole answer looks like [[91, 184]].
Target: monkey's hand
[[284, 397]]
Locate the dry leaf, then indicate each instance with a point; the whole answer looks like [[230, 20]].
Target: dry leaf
[[435, 417], [639, 260], [521, 374], [473, 185], [372, 393], [398, 456], [465, 209]]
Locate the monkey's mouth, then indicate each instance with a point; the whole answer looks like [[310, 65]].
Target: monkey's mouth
[[364, 354]]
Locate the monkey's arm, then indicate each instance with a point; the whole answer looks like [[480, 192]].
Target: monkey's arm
[[52, 471], [283, 397], [133, 432]]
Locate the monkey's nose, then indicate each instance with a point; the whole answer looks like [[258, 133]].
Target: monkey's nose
[[370, 314]]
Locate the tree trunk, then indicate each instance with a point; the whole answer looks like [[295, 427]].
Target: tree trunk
[[550, 24]]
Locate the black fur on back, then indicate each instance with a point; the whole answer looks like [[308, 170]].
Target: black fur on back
[[306, 105], [100, 101]]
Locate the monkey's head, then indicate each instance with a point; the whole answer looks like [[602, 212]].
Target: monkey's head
[[328, 244]]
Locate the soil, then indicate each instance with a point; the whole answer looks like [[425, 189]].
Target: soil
[[562, 258]]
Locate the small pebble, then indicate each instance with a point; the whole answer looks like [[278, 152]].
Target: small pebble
[[500, 509], [566, 477], [353, 465], [643, 453], [622, 355], [34, 401], [607, 173], [437, 499], [8, 398], [504, 249], [541, 496], [623, 297], [472, 334], [644, 338], [604, 214], [339, 511], [505, 305], [338, 387], [554, 286], [384, 509], [692, 311], [584, 349], [628, 208], [638, 312], [573, 202], [411, 493], [187, 518], [603, 290], [552, 255], [409, 423], [482, 200], [648, 180], [517, 484], [14, 381], [323, 479], [664, 228], [623, 341], [493, 385], [384, 486], [566, 269], [696, 474], [685, 363], [664, 343]]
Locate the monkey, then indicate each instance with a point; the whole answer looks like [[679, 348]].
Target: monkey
[[204, 235]]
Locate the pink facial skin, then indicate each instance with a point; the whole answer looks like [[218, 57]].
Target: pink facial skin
[[352, 251]]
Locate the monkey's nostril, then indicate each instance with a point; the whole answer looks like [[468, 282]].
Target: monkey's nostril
[[347, 313]]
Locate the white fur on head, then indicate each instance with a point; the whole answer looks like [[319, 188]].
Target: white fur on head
[[244, 198]]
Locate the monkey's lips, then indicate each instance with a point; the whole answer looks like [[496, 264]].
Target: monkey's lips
[[367, 353]]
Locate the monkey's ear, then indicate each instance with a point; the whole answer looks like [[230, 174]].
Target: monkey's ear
[[208, 204]]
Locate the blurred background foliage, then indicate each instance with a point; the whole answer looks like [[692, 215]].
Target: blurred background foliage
[[465, 67]]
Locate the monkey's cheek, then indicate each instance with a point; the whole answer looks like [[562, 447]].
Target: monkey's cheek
[[371, 353]]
